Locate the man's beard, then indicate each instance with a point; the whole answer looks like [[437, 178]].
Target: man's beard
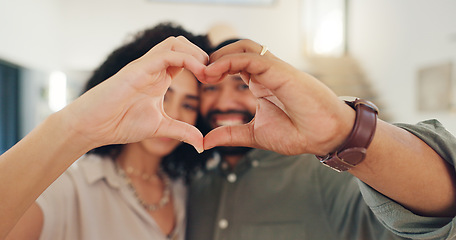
[[232, 151], [226, 150]]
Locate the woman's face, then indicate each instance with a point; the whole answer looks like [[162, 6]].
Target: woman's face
[[181, 102]]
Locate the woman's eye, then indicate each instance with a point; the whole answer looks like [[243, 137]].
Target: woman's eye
[[243, 87], [190, 107]]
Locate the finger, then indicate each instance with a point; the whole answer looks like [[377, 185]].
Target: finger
[[241, 46], [182, 44], [259, 68], [174, 71], [258, 89], [199, 54], [181, 131], [239, 135], [183, 60], [173, 59], [281, 79]]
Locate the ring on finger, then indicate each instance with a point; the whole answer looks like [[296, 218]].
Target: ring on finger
[[264, 49]]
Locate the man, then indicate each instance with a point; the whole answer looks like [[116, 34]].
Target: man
[[260, 194]]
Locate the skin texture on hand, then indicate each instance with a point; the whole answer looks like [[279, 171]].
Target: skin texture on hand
[[281, 123], [139, 89]]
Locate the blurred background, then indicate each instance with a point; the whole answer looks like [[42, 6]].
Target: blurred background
[[398, 54]]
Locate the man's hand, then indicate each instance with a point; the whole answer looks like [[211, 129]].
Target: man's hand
[[295, 114]]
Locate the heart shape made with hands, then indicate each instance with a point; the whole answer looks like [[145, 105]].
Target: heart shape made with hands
[[270, 122], [280, 123], [295, 113]]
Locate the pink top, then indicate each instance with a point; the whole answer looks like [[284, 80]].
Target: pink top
[[92, 201]]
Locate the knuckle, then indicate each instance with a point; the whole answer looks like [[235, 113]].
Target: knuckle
[[170, 40], [180, 38]]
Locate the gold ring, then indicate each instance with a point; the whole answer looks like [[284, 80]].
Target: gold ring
[[263, 50]]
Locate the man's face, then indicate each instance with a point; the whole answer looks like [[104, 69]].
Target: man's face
[[229, 102]]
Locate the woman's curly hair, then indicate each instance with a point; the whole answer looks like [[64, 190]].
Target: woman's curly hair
[[184, 159]]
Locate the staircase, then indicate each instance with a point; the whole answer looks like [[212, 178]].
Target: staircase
[[345, 77]]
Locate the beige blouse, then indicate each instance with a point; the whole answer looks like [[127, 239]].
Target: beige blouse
[[92, 201]]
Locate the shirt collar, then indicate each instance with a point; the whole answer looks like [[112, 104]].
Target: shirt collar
[[96, 168]]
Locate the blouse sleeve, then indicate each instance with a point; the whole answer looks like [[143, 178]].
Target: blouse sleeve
[[56, 202]]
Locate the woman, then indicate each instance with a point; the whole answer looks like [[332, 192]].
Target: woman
[[131, 191]]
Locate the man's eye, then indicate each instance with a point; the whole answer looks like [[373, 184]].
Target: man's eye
[[209, 88]]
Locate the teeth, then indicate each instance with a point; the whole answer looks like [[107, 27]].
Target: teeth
[[228, 122]]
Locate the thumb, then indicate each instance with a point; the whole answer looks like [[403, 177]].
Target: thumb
[[239, 135], [181, 131]]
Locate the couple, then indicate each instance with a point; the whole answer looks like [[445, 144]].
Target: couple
[[138, 190]]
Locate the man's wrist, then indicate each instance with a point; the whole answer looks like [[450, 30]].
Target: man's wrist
[[354, 148], [340, 132]]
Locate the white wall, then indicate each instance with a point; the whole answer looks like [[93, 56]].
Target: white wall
[[94, 28], [393, 39], [28, 33], [76, 36]]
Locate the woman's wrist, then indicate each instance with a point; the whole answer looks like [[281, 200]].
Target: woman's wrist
[[68, 133]]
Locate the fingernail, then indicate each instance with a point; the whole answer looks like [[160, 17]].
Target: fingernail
[[199, 150]]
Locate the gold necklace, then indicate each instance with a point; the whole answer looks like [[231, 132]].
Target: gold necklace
[[166, 191], [146, 177]]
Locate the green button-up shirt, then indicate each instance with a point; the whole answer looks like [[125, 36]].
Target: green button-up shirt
[[271, 196]]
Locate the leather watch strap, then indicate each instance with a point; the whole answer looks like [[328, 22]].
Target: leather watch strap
[[353, 150]]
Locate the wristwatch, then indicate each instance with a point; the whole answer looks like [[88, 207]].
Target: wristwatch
[[353, 150]]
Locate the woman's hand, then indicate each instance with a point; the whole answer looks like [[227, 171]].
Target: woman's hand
[[128, 107]]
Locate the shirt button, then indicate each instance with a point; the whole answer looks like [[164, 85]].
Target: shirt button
[[224, 166], [255, 163], [223, 224], [231, 178]]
